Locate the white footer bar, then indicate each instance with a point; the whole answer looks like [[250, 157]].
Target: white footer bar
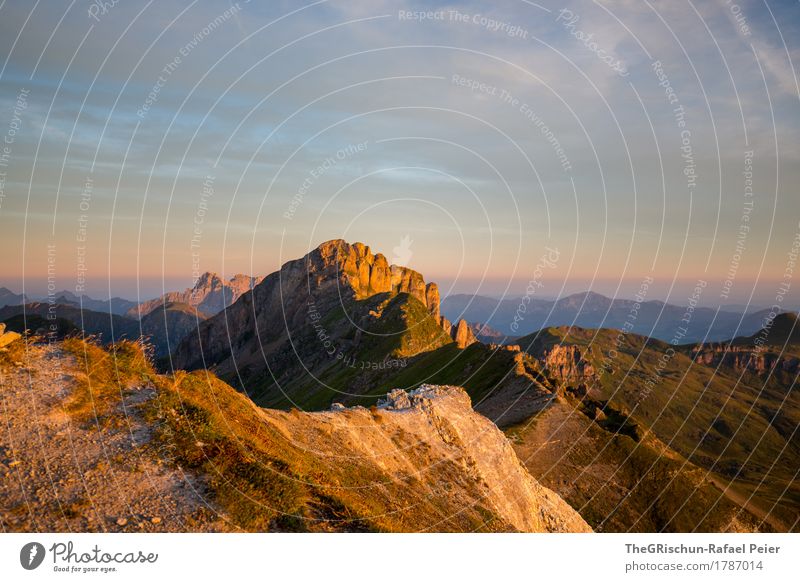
[[407, 557]]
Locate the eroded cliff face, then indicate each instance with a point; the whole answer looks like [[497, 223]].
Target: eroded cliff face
[[566, 363], [369, 274], [429, 444], [744, 358]]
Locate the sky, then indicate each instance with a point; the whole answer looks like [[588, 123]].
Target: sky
[[575, 145]]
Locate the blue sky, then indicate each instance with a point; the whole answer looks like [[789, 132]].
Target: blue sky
[[446, 108]]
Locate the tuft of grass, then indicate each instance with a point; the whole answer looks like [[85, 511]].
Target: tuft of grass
[[104, 374]]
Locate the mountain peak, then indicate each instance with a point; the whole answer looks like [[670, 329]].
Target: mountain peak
[[206, 279], [588, 298], [210, 294], [341, 296], [368, 274]]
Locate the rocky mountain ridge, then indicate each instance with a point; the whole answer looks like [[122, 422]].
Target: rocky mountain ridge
[[8, 297], [776, 348], [114, 305], [439, 420], [743, 358], [339, 306], [209, 295]]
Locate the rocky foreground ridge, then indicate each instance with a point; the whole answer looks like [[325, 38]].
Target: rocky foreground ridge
[[430, 442], [189, 453]]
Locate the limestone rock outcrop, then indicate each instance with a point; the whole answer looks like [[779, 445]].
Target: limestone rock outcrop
[[368, 274], [441, 433], [432, 300], [566, 363], [462, 334]]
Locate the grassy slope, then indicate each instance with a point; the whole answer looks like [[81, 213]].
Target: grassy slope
[[253, 473], [205, 427], [715, 422], [617, 483]]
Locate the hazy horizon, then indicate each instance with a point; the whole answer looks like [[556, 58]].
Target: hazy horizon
[[37, 288]]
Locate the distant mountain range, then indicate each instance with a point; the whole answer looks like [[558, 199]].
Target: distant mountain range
[[513, 317], [209, 295], [8, 297], [163, 321], [502, 320], [115, 305]]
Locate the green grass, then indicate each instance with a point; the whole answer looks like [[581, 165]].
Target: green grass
[[404, 330]]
